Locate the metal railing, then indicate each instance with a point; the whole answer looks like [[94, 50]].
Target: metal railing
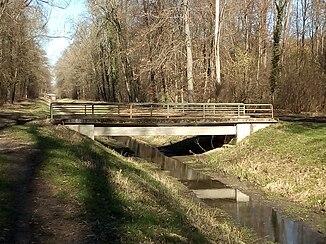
[[160, 110]]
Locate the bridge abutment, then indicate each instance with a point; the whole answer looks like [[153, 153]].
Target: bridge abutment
[[87, 130], [246, 129]]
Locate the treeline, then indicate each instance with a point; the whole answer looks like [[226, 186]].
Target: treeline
[[270, 50], [24, 72]]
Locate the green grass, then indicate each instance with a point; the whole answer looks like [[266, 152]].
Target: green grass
[[38, 109], [131, 202], [121, 199], [20, 132], [286, 159], [305, 142]]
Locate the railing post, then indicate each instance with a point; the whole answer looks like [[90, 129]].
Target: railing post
[[118, 109], [244, 109], [151, 110], [272, 111], [130, 111], [92, 108], [51, 110], [168, 108], [204, 110], [85, 110], [238, 110]]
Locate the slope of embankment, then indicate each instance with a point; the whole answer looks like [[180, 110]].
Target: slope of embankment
[[287, 161], [60, 187]]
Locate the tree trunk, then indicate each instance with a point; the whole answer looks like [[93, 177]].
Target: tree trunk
[[190, 80], [286, 31], [280, 12], [217, 43]]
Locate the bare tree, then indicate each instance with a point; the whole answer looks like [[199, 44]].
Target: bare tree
[[24, 69], [136, 51], [217, 43], [190, 80], [280, 6]]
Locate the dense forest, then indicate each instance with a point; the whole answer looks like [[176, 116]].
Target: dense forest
[[268, 50], [24, 72], [253, 51]]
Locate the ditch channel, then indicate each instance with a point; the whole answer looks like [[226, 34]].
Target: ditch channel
[[265, 220]]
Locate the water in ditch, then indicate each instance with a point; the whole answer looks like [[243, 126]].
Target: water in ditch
[[265, 220]]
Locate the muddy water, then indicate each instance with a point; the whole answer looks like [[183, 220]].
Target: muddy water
[[264, 219]]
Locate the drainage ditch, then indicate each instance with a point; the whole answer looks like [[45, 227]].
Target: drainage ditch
[[265, 220]]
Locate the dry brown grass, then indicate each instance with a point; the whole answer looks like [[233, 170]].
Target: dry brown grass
[[209, 221], [282, 162]]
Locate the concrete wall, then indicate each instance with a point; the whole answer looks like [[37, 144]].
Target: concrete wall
[[225, 193], [240, 130], [244, 130], [87, 130], [165, 130]]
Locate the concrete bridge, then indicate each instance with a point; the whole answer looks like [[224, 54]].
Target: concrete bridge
[[135, 119]]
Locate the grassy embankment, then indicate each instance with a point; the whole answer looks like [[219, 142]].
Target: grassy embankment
[[121, 200], [286, 160]]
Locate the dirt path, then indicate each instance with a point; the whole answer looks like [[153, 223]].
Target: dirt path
[[39, 215], [19, 154], [55, 220]]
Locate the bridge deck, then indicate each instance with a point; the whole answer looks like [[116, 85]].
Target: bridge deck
[[158, 113]]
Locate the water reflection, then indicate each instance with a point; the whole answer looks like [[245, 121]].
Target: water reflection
[[264, 219], [268, 222]]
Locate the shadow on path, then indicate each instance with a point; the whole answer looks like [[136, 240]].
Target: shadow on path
[[76, 199]]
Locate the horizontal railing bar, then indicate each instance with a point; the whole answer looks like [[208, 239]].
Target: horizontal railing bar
[[161, 110], [257, 109], [146, 104]]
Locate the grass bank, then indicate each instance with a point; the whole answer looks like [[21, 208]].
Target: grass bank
[[118, 200], [286, 160], [37, 109], [122, 200]]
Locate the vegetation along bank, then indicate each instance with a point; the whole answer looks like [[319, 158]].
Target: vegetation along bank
[[79, 191]]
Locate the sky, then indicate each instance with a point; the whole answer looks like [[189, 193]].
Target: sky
[[62, 23]]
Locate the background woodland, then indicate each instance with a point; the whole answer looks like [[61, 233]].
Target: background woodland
[[24, 72], [167, 51]]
